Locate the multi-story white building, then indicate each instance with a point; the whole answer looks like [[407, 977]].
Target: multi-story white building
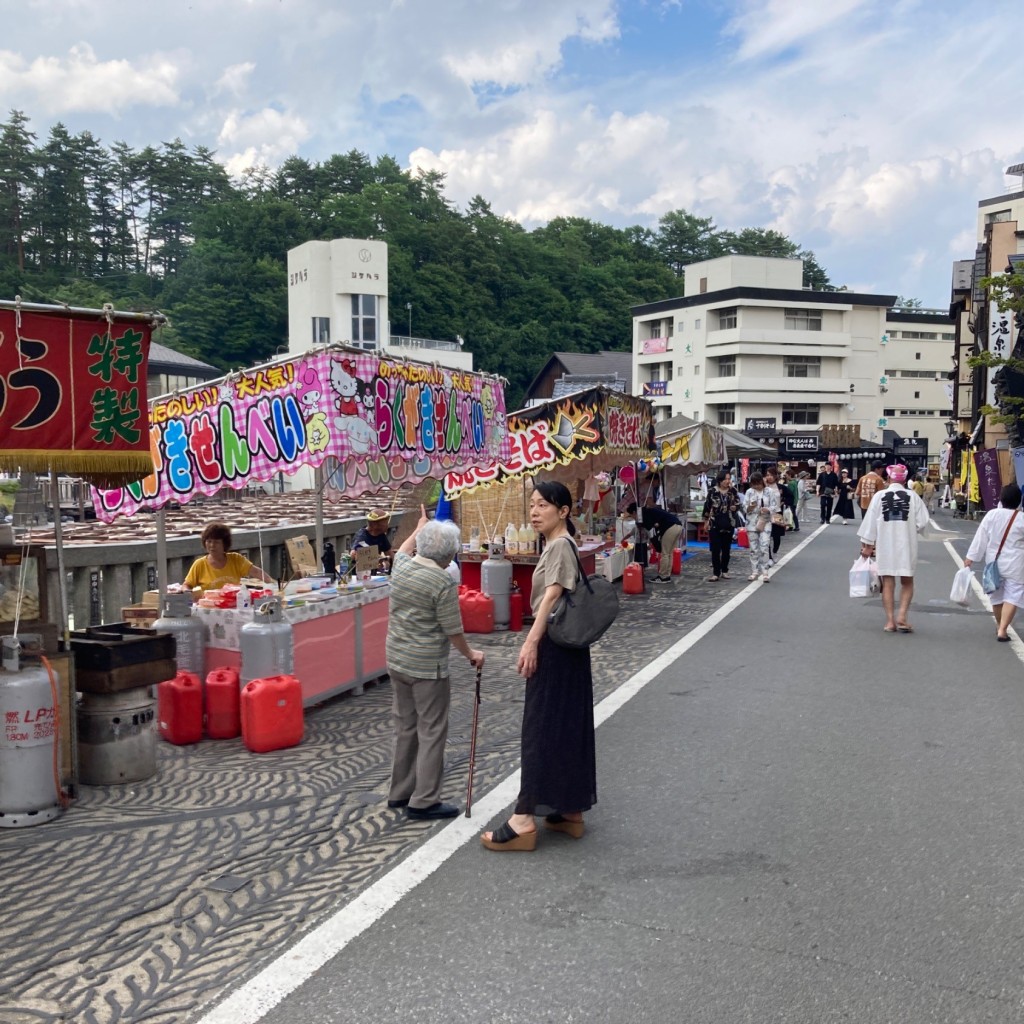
[[747, 342]]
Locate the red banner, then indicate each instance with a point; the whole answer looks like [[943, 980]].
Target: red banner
[[73, 395]]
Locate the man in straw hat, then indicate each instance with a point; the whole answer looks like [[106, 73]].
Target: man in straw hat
[[374, 533], [889, 532]]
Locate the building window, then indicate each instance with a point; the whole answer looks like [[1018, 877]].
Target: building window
[[696, 324], [655, 328], [801, 366], [703, 285], [364, 320], [949, 337], [1000, 215], [888, 412], [922, 335], [727, 415], [727, 366], [917, 355], [696, 370], [803, 319], [321, 330], [893, 334], [727, 319], [671, 328], [917, 394], [800, 414]]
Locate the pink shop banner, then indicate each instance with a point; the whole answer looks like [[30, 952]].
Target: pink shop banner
[[376, 422]]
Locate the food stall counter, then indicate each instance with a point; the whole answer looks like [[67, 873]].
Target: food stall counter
[[339, 639]]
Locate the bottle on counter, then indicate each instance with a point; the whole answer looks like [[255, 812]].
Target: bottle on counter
[[525, 547], [511, 540], [474, 538]]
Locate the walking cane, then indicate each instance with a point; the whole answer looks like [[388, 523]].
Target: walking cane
[[472, 742]]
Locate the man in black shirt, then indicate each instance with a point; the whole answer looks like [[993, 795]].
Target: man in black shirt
[[667, 527], [825, 487], [373, 534]]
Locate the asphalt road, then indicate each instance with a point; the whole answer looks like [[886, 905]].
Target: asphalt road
[[800, 819]]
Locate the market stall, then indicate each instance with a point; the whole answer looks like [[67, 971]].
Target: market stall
[[72, 393], [577, 440], [369, 422]]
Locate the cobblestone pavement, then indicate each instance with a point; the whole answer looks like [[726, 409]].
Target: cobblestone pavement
[[148, 902]]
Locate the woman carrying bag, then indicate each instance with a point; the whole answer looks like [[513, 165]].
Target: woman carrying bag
[[721, 518], [759, 505], [558, 763], [1000, 539]]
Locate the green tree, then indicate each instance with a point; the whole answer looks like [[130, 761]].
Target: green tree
[[684, 238], [17, 179]]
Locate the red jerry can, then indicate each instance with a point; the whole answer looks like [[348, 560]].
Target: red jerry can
[[677, 561], [180, 709], [515, 612], [223, 704], [477, 612], [272, 713], [633, 579]]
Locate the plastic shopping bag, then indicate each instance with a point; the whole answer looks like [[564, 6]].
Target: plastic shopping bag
[[861, 578], [961, 586]]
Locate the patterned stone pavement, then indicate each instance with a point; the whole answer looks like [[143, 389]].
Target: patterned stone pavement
[[148, 902]]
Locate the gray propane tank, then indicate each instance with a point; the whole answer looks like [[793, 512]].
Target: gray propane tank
[[496, 583], [189, 633], [29, 792], [266, 643]]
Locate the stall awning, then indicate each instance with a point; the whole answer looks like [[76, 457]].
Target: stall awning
[[73, 391], [694, 447], [568, 439], [377, 422]]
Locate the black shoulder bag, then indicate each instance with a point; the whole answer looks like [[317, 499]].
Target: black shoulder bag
[[581, 616]]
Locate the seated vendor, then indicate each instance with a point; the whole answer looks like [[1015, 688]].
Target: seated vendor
[[221, 565], [374, 533]]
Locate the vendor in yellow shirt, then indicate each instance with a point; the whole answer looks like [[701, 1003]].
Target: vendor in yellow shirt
[[221, 565]]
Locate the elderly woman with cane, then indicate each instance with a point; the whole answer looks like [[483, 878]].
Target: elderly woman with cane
[[424, 623], [558, 760]]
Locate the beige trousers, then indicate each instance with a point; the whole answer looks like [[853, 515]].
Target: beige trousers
[[419, 711], [668, 543]]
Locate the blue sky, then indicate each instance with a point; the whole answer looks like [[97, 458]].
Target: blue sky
[[866, 130]]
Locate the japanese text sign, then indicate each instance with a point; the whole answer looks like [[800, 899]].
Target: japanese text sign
[[72, 394], [562, 431], [381, 421]]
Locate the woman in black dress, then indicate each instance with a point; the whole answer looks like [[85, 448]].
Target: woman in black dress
[[844, 497], [558, 759]]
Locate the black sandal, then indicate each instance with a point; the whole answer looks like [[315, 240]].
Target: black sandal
[[507, 839]]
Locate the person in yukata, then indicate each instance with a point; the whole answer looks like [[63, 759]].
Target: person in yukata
[[888, 533]]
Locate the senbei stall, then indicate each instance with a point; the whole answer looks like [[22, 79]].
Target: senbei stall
[[577, 439], [373, 422], [72, 393]]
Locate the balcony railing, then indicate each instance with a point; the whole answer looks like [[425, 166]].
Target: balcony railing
[[404, 341]]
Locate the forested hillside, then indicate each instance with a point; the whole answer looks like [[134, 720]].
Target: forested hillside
[[165, 228]]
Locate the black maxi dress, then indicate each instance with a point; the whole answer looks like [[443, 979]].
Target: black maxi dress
[[558, 753]]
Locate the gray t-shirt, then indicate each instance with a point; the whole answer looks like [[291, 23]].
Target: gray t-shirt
[[556, 565]]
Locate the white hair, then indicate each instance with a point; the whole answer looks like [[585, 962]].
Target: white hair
[[439, 540]]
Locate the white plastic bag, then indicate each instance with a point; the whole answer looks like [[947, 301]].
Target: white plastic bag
[[961, 586], [862, 576]]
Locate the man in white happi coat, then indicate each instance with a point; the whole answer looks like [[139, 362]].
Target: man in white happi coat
[[889, 532]]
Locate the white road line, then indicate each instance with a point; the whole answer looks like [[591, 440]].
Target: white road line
[[258, 996]]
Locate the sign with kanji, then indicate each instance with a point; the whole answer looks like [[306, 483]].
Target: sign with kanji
[[73, 394], [372, 422], [598, 428]]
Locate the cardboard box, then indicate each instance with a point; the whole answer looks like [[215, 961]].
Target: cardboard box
[[151, 599], [139, 614], [302, 557]]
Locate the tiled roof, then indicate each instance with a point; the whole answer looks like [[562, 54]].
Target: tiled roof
[[570, 383], [163, 358]]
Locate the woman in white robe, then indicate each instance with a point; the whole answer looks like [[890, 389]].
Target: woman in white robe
[[1004, 521]]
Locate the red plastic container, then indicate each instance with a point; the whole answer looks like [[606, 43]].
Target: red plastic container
[[272, 713], [515, 612], [742, 540], [180, 709], [677, 561], [633, 579], [223, 699], [477, 612]]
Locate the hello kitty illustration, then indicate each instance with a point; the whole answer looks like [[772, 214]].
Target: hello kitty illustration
[[352, 395]]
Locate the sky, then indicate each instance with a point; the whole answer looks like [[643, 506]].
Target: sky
[[865, 130]]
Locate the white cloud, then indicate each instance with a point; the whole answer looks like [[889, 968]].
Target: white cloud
[[236, 79], [81, 82], [261, 138]]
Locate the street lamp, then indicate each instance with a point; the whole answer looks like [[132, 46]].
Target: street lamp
[[408, 306], [951, 428]]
